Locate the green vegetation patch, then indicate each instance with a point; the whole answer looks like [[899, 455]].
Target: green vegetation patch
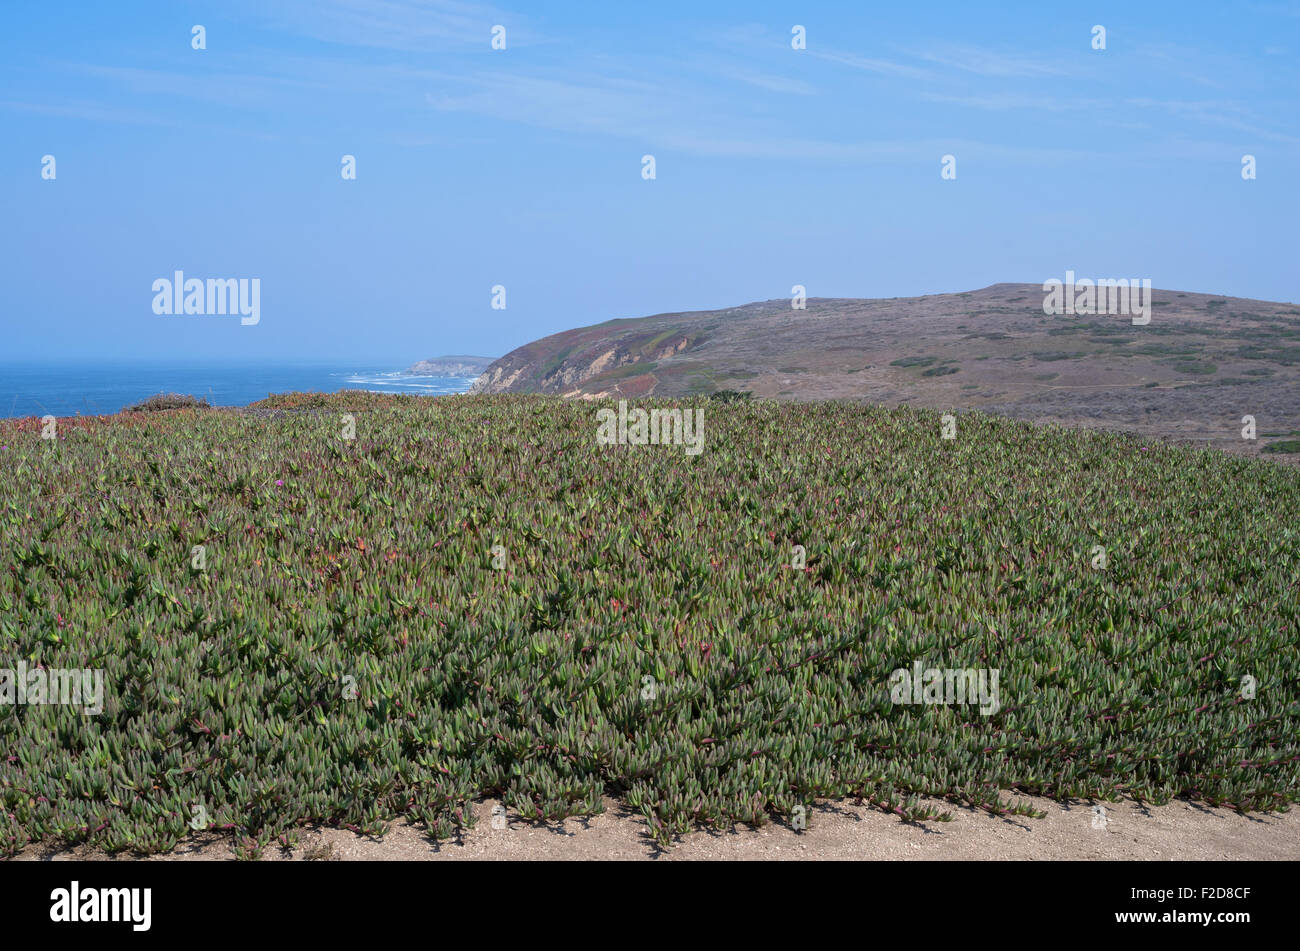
[[166, 401], [1167, 349], [1285, 446], [473, 597]]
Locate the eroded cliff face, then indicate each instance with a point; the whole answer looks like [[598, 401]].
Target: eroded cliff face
[[502, 377], [573, 359], [495, 379]]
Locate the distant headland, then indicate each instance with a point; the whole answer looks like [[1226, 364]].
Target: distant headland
[[456, 365]]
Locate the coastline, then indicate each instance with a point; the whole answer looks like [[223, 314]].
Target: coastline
[[67, 390]]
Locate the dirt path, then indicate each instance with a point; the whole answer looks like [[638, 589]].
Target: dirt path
[[837, 831]]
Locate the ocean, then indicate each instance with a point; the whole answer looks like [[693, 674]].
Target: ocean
[[88, 389]]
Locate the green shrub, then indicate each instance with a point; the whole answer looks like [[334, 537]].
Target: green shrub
[[166, 401], [349, 653]]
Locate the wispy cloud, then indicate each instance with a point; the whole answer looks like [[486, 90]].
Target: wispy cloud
[[725, 93], [657, 116], [229, 88], [755, 41], [984, 62], [870, 64], [88, 111], [413, 25], [589, 104], [1008, 101], [772, 83], [1221, 112]]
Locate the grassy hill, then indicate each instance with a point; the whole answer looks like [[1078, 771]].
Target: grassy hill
[[472, 597], [1192, 373]]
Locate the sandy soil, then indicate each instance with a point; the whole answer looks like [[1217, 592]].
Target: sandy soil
[[836, 831]]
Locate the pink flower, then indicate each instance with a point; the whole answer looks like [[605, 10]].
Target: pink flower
[[279, 482]]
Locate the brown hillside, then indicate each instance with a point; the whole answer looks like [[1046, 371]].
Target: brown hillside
[[1191, 373]]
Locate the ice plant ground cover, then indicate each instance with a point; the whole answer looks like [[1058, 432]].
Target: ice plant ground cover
[[473, 597]]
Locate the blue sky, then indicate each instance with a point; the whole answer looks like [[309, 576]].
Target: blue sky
[[522, 167]]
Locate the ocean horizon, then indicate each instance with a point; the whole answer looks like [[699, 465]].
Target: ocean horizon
[[97, 389]]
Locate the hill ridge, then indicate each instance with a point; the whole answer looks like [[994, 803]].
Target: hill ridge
[[1200, 365]]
